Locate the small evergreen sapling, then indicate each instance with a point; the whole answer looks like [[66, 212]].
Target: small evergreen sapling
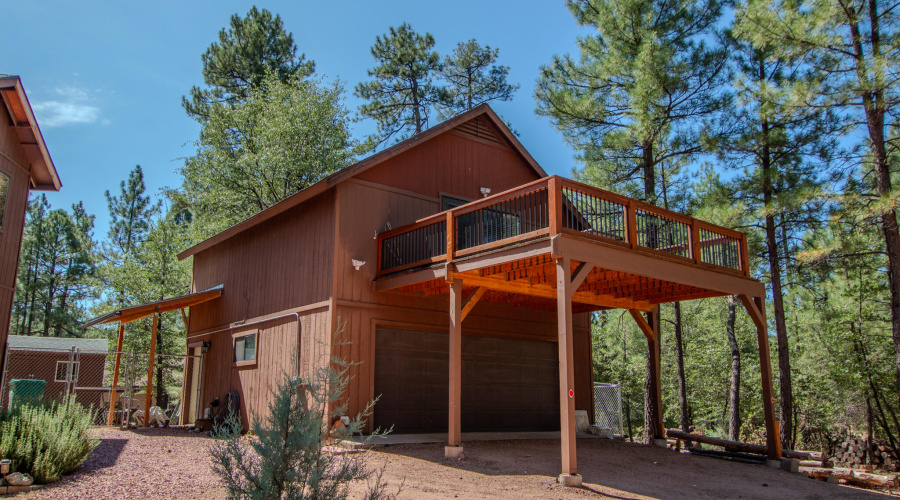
[[289, 453]]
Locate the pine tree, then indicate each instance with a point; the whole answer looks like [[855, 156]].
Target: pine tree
[[852, 45], [284, 137], [474, 77], [632, 102], [783, 152], [247, 50], [403, 93], [130, 213]]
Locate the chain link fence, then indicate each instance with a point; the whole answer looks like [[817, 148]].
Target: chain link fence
[[608, 407], [44, 375]]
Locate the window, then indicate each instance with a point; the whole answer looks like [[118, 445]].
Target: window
[[62, 367], [245, 348], [4, 191], [448, 202]]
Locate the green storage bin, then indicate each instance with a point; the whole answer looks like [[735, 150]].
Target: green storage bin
[[26, 391]]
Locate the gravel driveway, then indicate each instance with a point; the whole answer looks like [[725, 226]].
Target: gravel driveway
[[140, 463], [174, 464]]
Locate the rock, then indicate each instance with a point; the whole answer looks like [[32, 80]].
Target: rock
[[19, 479]]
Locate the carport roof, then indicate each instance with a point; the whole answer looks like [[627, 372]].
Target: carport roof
[[133, 313]]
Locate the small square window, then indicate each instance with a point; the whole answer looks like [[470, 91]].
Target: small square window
[[245, 348], [62, 367]]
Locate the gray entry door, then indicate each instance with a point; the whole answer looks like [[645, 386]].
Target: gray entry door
[[507, 384]]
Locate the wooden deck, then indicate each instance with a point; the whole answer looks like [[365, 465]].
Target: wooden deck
[[569, 247], [641, 255]]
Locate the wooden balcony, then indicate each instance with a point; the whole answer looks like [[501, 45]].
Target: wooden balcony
[[567, 247], [637, 250]]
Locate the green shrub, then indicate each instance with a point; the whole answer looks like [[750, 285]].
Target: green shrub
[[47, 441], [285, 455]]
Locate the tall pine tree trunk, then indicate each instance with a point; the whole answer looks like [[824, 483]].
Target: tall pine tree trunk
[[648, 165], [771, 238], [682, 382], [734, 394]]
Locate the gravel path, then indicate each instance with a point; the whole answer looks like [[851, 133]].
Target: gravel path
[[143, 463], [174, 464]]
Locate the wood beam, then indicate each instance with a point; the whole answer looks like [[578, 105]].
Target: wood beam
[[455, 362], [148, 398], [470, 303], [580, 273], [756, 309], [566, 350], [184, 317], [523, 288], [625, 260], [115, 385]]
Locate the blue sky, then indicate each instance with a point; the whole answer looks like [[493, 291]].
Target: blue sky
[[106, 78]]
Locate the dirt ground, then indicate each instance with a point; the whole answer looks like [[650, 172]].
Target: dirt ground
[[174, 464]]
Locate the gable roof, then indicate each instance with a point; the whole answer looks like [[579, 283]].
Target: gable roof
[[62, 343], [365, 164], [43, 173]]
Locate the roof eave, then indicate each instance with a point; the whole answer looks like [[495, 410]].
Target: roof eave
[[44, 176]]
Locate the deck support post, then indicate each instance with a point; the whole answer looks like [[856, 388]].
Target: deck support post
[[756, 308], [565, 288], [659, 432], [454, 440], [115, 385], [148, 398]]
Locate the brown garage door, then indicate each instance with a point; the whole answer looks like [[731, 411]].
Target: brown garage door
[[507, 385]]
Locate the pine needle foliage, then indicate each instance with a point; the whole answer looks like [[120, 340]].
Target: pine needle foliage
[[47, 441], [286, 454]]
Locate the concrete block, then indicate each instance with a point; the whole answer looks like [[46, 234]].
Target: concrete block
[[581, 421], [452, 451], [573, 480], [775, 464], [660, 443], [790, 465]]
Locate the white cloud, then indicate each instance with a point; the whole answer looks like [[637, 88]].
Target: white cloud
[[70, 108]]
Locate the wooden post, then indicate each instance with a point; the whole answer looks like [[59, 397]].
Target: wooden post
[[554, 200], [756, 308], [115, 384], [564, 291], [655, 384], [148, 397], [696, 251], [631, 227], [450, 236], [745, 258], [454, 440]]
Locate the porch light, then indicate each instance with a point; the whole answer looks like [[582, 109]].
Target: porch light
[[204, 347], [357, 263], [485, 191]]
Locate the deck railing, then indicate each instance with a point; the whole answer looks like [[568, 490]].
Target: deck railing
[[556, 205]]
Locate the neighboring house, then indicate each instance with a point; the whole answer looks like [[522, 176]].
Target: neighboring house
[[49, 358], [25, 165], [456, 223]]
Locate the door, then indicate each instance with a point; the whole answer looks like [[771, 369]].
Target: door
[[507, 384]]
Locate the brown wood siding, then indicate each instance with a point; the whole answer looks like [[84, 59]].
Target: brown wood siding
[[365, 208], [14, 163], [453, 163], [281, 264], [277, 352]]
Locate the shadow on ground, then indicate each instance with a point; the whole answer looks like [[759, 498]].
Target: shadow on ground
[[611, 469]]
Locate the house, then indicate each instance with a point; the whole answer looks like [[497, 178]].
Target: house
[[462, 278], [25, 165], [49, 359]]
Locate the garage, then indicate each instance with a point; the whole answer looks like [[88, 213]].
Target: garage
[[507, 384]]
